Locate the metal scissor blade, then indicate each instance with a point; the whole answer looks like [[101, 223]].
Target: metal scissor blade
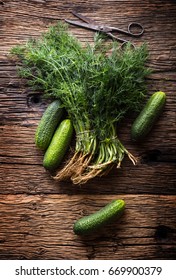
[[83, 18], [84, 25]]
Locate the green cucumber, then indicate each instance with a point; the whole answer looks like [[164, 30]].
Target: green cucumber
[[59, 145], [48, 124], [148, 116], [100, 218]]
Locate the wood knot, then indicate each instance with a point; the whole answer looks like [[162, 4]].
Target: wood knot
[[162, 232], [33, 99], [151, 156]]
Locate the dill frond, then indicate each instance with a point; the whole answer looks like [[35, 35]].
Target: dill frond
[[98, 85]]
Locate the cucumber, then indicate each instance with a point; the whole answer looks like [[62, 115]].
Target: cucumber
[[59, 145], [100, 218], [148, 116], [48, 124]]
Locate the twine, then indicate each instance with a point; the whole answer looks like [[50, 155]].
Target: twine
[[79, 134], [107, 140]]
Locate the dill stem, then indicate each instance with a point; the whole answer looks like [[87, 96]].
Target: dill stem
[[96, 87]]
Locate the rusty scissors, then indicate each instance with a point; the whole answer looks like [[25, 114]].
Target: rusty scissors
[[108, 30]]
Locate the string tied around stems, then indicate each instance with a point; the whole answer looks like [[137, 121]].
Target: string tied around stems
[[108, 140], [88, 131]]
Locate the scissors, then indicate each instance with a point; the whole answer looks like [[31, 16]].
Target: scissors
[[108, 30]]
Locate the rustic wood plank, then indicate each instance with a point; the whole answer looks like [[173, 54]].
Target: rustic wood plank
[[144, 178], [21, 21], [34, 227], [24, 172], [35, 217], [21, 178]]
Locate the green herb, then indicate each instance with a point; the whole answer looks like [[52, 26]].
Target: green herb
[[98, 86]]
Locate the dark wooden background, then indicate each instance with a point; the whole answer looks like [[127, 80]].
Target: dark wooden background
[[36, 213]]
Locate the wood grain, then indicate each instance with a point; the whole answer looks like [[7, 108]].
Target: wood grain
[[37, 213], [32, 226]]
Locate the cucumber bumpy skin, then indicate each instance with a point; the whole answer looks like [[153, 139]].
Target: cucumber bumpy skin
[[59, 145], [100, 218], [48, 124], [148, 116]]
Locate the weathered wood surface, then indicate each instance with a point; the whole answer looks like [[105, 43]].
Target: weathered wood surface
[[35, 226], [35, 212]]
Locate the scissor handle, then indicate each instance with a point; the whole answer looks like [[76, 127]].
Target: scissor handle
[[125, 43], [134, 25]]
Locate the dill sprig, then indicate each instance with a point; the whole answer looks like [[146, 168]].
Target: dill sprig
[[98, 85]]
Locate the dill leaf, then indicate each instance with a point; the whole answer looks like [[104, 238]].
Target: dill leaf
[[98, 85]]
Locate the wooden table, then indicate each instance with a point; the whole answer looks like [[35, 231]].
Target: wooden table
[[36, 213]]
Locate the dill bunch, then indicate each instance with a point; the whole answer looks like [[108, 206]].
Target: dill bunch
[[98, 86]]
